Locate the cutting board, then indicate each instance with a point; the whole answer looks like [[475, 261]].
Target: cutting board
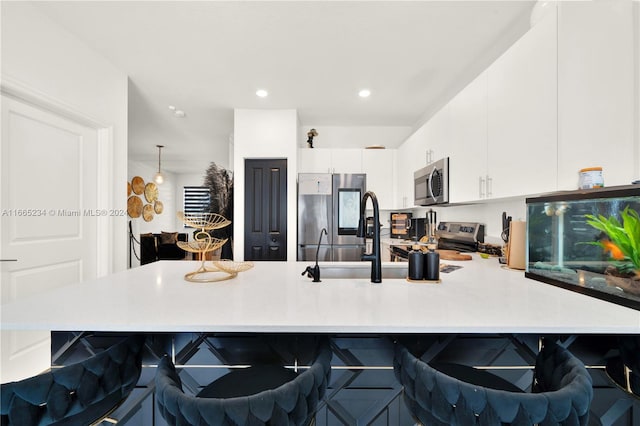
[[453, 255]]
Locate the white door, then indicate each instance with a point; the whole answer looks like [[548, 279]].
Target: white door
[[48, 184]]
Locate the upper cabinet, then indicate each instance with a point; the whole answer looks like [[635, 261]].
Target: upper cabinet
[[380, 167], [503, 124], [559, 100], [468, 150], [348, 160], [596, 96], [324, 160], [437, 135], [411, 156], [378, 164], [314, 160], [522, 115]]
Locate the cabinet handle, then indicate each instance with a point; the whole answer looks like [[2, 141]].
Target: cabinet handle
[[489, 186], [481, 187]]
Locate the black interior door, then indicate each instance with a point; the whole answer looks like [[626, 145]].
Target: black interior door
[[265, 202]]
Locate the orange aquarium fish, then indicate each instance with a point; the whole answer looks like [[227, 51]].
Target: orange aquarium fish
[[613, 249]]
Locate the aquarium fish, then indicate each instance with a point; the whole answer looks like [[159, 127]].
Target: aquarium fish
[[613, 249]]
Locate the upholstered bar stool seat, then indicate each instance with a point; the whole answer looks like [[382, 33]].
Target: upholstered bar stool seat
[[77, 394], [257, 395], [561, 393], [476, 377]]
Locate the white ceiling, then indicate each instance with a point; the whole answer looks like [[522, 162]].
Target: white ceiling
[[209, 57]]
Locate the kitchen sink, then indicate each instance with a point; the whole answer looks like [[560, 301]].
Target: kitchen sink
[[362, 271]]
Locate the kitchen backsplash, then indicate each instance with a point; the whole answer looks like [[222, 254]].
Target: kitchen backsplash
[[488, 213]]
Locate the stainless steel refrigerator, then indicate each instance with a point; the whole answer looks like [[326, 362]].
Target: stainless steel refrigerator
[[330, 201]]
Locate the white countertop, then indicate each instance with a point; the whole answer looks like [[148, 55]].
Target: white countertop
[[481, 297]]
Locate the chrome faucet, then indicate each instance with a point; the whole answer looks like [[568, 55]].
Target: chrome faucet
[[314, 272], [374, 257]]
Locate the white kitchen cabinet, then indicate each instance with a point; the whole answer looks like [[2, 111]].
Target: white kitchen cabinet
[[380, 167], [329, 160], [346, 160], [411, 156], [558, 100], [503, 125], [468, 147], [314, 160], [596, 100], [437, 134], [522, 115]]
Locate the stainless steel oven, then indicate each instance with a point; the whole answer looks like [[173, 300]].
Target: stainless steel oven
[[431, 183]]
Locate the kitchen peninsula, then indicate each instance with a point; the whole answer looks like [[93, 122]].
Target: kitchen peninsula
[[480, 297]]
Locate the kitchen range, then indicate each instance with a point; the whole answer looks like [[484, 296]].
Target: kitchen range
[[452, 238]]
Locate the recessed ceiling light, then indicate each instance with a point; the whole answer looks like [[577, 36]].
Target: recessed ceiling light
[[262, 93], [364, 93], [177, 112]]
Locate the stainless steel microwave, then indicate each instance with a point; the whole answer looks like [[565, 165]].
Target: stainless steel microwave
[[431, 184]]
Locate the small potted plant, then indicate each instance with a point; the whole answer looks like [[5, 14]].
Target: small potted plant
[[622, 242]]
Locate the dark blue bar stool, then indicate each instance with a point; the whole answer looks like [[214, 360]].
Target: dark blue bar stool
[[450, 394], [263, 394], [624, 369], [77, 394]]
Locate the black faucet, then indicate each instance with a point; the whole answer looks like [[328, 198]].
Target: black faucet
[[374, 257], [314, 272]]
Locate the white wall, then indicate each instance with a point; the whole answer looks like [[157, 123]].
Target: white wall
[[488, 213], [41, 56], [264, 134], [46, 65], [354, 136]]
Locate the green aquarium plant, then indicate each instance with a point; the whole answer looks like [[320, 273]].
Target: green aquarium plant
[[623, 243]]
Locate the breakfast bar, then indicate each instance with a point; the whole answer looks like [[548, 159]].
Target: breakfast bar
[[481, 314], [274, 297]]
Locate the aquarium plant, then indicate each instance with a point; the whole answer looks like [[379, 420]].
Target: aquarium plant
[[623, 239]]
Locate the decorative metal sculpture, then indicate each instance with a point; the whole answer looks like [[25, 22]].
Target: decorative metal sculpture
[[204, 243]]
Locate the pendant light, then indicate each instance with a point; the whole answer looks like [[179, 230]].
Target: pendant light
[[159, 177]]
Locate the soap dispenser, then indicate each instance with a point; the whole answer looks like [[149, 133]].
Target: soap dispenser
[[432, 266], [416, 264]]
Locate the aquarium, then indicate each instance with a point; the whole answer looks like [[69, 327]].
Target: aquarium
[[587, 241]]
